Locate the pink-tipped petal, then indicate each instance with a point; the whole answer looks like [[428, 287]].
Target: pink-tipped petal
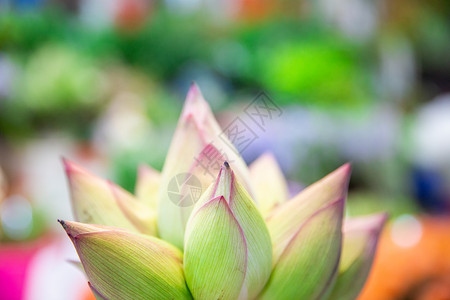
[[284, 221], [309, 263], [93, 201], [359, 245], [215, 257], [197, 146], [244, 210], [124, 265]]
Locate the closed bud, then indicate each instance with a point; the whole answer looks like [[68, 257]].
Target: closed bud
[[228, 251]]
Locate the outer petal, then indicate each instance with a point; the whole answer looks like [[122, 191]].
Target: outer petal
[[269, 183], [147, 186], [285, 220], [359, 245], [215, 252], [259, 250], [196, 129], [124, 265], [93, 199], [308, 265]]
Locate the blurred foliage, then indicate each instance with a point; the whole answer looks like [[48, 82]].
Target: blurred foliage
[[68, 74]]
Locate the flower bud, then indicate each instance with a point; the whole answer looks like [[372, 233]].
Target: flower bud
[[228, 251]]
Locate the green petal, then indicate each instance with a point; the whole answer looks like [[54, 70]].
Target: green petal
[[96, 293], [285, 220], [147, 186], [198, 147], [93, 200], [215, 255], [308, 265], [269, 183], [124, 265], [259, 246], [360, 241]]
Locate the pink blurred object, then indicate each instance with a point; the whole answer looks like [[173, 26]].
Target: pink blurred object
[[14, 264]]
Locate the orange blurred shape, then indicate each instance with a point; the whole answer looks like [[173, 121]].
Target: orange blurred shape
[[88, 295], [419, 271], [254, 10], [132, 14]]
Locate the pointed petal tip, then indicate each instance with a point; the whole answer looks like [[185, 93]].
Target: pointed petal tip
[[194, 87], [70, 167], [225, 171], [373, 223], [63, 224], [346, 168], [342, 175], [67, 165], [194, 94], [195, 106], [144, 169], [268, 155], [224, 182]]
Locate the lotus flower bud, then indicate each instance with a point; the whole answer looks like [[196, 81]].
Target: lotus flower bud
[[268, 180], [228, 253], [123, 265], [98, 201], [197, 141], [360, 242]]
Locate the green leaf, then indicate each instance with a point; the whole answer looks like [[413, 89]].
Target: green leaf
[[308, 265]]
